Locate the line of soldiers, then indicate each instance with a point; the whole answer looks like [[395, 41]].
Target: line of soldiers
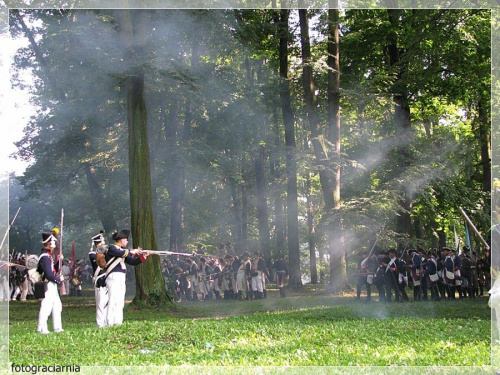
[[18, 286], [227, 276], [14, 282], [441, 274]]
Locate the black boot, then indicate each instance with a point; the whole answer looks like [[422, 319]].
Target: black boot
[[240, 295], [282, 292], [264, 293]]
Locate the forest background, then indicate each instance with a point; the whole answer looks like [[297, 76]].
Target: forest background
[[307, 133]]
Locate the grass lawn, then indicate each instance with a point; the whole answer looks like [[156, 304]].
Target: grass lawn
[[308, 328]]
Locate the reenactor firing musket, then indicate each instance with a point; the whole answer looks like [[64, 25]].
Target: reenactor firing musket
[[9, 264], [369, 254]]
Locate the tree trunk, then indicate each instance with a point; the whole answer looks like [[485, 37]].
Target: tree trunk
[[280, 225], [150, 287], [177, 195], [402, 122], [262, 215], [291, 164], [485, 141], [311, 103], [175, 182], [244, 218], [312, 231], [179, 138], [338, 263], [236, 214], [275, 168]]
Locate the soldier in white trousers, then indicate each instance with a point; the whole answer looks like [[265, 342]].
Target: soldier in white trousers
[[66, 272], [243, 275], [4, 283], [100, 289], [51, 303], [116, 257], [256, 274]]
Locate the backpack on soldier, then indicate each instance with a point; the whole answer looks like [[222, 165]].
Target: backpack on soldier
[[100, 256], [36, 276], [35, 273]]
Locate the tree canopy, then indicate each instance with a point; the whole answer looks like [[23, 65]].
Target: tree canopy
[[414, 102]]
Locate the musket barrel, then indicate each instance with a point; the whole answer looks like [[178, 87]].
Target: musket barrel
[[162, 252], [369, 254]]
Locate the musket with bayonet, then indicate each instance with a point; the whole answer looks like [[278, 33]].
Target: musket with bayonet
[[474, 228], [8, 228], [216, 274]]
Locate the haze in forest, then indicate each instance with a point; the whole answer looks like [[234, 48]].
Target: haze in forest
[[212, 89]]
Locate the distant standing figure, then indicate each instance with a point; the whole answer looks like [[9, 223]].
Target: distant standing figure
[[281, 269], [100, 289], [66, 272], [4, 283]]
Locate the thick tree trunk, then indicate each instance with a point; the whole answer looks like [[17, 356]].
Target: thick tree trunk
[[402, 122], [291, 164], [150, 287], [338, 263]]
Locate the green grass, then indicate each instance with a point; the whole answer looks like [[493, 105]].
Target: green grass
[[308, 328]]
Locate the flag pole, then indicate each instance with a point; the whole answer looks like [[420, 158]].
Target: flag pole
[[63, 286], [474, 228], [8, 228]]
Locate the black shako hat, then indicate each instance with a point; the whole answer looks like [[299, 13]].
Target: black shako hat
[[120, 235], [47, 236], [98, 238]]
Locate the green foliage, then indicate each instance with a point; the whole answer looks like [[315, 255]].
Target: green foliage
[[212, 95]]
